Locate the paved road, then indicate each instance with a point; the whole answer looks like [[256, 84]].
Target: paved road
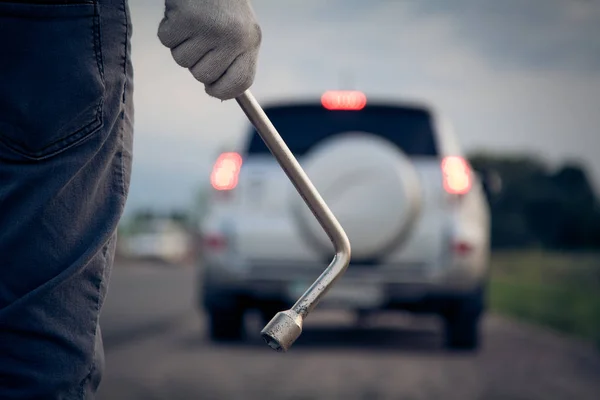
[[156, 349], [145, 299]]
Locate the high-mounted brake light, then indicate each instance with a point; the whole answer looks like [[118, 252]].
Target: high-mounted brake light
[[344, 100], [457, 175], [225, 172]]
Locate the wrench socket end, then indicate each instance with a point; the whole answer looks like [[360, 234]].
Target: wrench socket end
[[282, 331]]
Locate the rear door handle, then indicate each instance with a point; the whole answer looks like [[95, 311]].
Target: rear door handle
[[286, 326]]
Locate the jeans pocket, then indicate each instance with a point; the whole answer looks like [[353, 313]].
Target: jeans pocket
[[51, 77]]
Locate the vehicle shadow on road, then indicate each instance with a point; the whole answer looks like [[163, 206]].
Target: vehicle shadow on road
[[372, 339], [346, 338]]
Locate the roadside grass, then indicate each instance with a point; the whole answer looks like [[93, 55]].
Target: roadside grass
[[553, 289]]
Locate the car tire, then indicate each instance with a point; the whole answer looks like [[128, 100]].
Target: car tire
[[462, 322], [226, 325]]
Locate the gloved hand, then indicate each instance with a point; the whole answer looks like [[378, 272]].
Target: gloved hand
[[217, 40]]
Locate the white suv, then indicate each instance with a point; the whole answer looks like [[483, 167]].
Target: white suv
[[394, 176]]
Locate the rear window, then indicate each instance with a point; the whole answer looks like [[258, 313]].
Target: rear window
[[411, 129]]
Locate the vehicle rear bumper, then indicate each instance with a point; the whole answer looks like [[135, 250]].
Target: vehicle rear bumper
[[412, 287]]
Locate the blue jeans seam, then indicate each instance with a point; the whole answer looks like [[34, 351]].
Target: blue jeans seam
[[121, 160], [124, 190], [126, 47], [97, 32], [97, 320]]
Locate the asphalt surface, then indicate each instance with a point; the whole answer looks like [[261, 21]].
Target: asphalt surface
[[156, 348]]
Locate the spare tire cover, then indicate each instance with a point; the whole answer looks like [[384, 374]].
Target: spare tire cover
[[371, 187]]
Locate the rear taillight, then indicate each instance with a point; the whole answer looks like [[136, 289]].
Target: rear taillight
[[461, 248], [457, 175], [214, 242], [225, 172]]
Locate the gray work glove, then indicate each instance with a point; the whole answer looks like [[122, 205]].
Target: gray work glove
[[217, 40]]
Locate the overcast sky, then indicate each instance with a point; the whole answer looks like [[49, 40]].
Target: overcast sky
[[512, 75]]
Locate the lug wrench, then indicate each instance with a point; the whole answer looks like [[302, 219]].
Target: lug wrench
[[286, 326]]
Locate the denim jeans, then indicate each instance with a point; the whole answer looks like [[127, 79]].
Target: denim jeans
[[66, 137]]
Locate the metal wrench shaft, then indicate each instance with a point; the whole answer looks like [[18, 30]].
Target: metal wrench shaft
[[286, 326]]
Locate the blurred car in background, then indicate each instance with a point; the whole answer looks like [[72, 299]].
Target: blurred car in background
[[159, 239], [395, 177]]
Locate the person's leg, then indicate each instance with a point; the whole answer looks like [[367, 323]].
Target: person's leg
[[66, 121]]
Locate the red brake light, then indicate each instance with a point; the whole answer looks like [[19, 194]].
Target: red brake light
[[344, 100], [224, 175], [457, 175], [462, 248], [214, 242]]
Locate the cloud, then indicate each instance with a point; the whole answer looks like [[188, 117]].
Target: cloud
[[548, 34]]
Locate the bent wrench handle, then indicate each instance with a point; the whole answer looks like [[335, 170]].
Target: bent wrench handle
[[286, 326]]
